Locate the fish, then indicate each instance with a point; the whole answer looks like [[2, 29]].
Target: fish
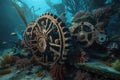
[[20, 13], [4, 42], [113, 45], [13, 34]]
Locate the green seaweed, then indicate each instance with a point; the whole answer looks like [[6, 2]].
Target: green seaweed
[[116, 64]]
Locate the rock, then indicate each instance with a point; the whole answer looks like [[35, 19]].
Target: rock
[[101, 69]]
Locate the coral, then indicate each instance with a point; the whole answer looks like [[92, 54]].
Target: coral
[[6, 60], [116, 64], [5, 71], [82, 58], [74, 6], [83, 17], [103, 14], [78, 56], [99, 26], [59, 8], [14, 59], [22, 63], [100, 11], [82, 76], [71, 6], [57, 72]]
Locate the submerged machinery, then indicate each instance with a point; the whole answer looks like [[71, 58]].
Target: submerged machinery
[[51, 42], [48, 39]]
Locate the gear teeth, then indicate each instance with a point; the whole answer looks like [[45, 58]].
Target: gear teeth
[[62, 24], [65, 29], [47, 13], [55, 16], [59, 20], [51, 15], [43, 14], [64, 32]]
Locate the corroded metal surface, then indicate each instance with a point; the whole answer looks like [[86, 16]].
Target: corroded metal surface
[[48, 39], [84, 31]]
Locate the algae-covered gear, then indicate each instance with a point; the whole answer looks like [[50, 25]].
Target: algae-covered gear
[[84, 31]]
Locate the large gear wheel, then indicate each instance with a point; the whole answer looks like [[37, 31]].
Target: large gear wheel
[[48, 39], [29, 37], [84, 32]]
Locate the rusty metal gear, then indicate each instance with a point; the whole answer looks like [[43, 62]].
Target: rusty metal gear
[[48, 39], [84, 31], [101, 38], [29, 37]]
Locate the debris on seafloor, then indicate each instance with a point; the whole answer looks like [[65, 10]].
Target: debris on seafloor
[[100, 69], [116, 64], [21, 74], [48, 43], [4, 71]]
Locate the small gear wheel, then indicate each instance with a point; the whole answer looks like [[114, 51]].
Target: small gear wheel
[[48, 40], [84, 32], [101, 38]]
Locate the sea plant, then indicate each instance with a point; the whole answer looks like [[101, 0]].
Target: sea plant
[[116, 64]]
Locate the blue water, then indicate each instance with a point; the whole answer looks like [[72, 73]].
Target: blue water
[[12, 25], [10, 20]]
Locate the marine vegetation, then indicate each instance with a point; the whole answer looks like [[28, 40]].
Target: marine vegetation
[[87, 31], [22, 63], [82, 50], [6, 61], [57, 72], [116, 64], [82, 76], [5, 71]]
